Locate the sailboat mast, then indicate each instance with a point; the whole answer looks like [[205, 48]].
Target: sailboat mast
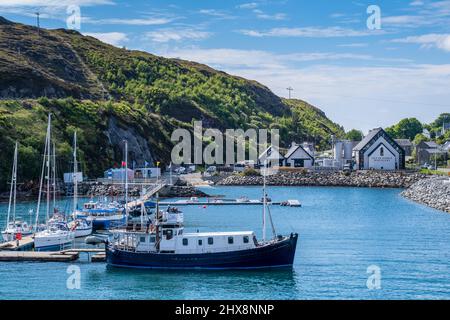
[[264, 202], [12, 193], [126, 182], [42, 177], [54, 176], [75, 180], [15, 182], [48, 169]]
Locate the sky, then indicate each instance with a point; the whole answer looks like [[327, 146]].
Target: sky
[[366, 64]]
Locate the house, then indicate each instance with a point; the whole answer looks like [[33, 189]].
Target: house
[[146, 173], [445, 128], [299, 156], [446, 146], [379, 151], [119, 174], [407, 145], [428, 151], [272, 156]]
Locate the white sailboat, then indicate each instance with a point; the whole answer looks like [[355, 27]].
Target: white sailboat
[[56, 234], [82, 227], [14, 228]]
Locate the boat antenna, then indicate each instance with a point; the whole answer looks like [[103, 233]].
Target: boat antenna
[[75, 180], [42, 175], [12, 193]]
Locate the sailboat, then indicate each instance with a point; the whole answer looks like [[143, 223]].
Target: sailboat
[[55, 235], [14, 228], [165, 245], [106, 215], [81, 226]]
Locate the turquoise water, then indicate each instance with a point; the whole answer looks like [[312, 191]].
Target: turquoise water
[[342, 232]]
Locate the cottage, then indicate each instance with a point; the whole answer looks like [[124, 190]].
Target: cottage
[[379, 151], [299, 156], [428, 152], [272, 156], [407, 145]]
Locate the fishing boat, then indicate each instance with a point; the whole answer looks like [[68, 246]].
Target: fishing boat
[[166, 245], [80, 226], [56, 235], [14, 226]]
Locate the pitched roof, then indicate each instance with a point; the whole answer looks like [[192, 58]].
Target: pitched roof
[[366, 140], [294, 148], [431, 144], [404, 142]]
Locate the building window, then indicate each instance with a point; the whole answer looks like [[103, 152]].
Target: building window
[[230, 240], [246, 240], [185, 242], [200, 242], [381, 152], [210, 241]]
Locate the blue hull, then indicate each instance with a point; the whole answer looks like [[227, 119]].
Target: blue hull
[[106, 224], [279, 254], [57, 247]]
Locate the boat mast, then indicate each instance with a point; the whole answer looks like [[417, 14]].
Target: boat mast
[[48, 171], [54, 176], [126, 182], [75, 181], [264, 201], [42, 175], [12, 193]]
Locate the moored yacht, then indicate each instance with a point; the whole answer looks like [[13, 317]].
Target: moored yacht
[[165, 245], [14, 227], [55, 235]]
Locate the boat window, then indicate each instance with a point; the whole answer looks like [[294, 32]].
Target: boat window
[[169, 234], [246, 239], [230, 240], [210, 241], [152, 239], [142, 239], [185, 242], [200, 242]]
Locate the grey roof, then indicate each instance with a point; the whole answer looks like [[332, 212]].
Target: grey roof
[[295, 148], [431, 144], [404, 142], [366, 140], [434, 151]]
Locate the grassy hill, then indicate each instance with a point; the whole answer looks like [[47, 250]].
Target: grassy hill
[[108, 94]]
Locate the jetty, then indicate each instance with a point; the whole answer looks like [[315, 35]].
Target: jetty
[[146, 197], [26, 243], [216, 203], [38, 256]]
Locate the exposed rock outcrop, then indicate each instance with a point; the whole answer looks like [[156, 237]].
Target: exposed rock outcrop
[[433, 192], [372, 179]]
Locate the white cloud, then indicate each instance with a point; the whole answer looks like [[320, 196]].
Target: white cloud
[[357, 97], [137, 21], [115, 38], [250, 5], [52, 3], [166, 35], [416, 3], [440, 41], [216, 13], [311, 32], [277, 16]]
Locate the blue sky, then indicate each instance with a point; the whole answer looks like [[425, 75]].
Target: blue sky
[[361, 78]]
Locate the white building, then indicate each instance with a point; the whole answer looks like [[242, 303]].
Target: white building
[[299, 156], [379, 151], [118, 174], [273, 157], [147, 173]]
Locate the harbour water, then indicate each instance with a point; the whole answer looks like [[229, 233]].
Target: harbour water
[[342, 231]]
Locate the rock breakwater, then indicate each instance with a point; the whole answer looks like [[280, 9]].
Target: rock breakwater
[[433, 192]]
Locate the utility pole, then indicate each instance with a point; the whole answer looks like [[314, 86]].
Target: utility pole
[[38, 22], [290, 89]]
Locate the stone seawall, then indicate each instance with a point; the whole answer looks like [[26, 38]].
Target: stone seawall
[[433, 192], [371, 179]]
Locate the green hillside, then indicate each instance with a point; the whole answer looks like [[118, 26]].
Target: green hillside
[[108, 94]]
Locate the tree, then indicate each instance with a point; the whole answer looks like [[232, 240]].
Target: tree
[[354, 135], [419, 138], [407, 128]]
